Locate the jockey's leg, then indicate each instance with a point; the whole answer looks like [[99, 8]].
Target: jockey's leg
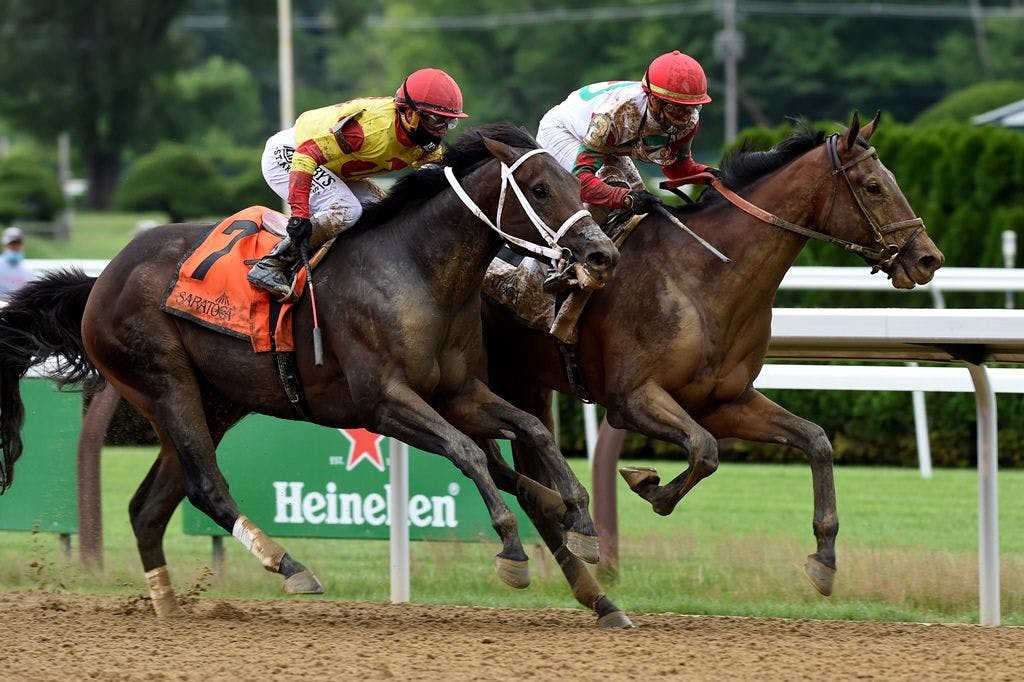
[[274, 272], [333, 205]]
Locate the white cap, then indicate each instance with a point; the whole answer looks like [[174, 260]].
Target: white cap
[[13, 234]]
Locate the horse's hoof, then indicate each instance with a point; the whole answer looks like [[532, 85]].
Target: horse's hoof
[[303, 582], [640, 476], [615, 619], [584, 547], [820, 575], [168, 608], [514, 573]]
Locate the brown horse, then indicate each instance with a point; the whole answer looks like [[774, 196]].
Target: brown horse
[[399, 294], [673, 344]]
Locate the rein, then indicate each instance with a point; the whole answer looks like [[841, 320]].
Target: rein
[[553, 252], [884, 255]]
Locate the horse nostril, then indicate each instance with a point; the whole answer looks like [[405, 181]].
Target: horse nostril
[[598, 261], [929, 263]]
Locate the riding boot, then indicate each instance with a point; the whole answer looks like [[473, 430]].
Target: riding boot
[[274, 271]]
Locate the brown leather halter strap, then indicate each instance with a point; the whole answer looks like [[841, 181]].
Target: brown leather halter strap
[[883, 256]]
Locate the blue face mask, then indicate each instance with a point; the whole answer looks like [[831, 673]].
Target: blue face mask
[[13, 257]]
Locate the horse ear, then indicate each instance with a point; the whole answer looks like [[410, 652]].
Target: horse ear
[[867, 131], [853, 131], [501, 151]]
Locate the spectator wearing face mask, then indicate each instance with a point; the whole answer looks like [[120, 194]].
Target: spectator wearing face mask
[[13, 273]]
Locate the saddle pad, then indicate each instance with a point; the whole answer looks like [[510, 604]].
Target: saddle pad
[[210, 286]]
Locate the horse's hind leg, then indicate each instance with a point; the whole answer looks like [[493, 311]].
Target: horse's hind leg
[[155, 501], [755, 417], [406, 416], [482, 414], [545, 510], [150, 510], [650, 410]]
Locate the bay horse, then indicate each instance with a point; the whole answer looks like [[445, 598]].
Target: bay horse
[[399, 296], [672, 345]]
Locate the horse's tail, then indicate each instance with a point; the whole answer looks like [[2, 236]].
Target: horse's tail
[[42, 321]]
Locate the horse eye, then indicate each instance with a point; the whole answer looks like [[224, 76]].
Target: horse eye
[[873, 187], [540, 191]]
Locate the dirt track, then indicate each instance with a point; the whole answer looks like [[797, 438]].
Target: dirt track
[[75, 637]]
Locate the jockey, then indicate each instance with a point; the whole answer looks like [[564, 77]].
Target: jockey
[[600, 128], [322, 164]]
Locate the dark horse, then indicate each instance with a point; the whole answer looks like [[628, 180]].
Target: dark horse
[[399, 295], [673, 344]]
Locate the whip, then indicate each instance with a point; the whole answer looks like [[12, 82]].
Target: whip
[[318, 344], [681, 225]]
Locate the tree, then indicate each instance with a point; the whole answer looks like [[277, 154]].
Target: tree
[[84, 68]]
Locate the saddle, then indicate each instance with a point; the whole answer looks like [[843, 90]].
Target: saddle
[[210, 288]]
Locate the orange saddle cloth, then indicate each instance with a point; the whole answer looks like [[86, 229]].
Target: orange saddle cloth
[[211, 289]]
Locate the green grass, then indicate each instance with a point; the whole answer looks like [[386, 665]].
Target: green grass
[[907, 551], [93, 235]]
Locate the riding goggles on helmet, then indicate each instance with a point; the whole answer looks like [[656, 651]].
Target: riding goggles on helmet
[[438, 122]]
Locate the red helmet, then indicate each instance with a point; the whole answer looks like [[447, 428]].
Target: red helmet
[[431, 90], [676, 77]]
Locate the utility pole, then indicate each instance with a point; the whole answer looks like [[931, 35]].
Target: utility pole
[[729, 48], [285, 67]]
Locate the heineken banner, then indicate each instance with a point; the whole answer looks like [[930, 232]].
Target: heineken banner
[[302, 480], [45, 491]]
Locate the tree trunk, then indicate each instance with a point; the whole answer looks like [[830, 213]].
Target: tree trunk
[[103, 169]]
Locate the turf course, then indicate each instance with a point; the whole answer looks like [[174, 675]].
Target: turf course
[[907, 551]]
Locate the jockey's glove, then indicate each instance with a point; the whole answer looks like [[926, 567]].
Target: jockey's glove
[[640, 201], [299, 229]]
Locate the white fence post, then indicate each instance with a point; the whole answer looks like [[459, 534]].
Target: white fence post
[[399, 514]]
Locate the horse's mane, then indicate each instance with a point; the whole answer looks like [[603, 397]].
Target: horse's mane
[[745, 166], [464, 155]]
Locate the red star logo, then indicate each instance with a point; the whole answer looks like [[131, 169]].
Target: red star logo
[[365, 445]]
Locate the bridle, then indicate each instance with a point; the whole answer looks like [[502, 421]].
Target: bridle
[[553, 252], [883, 256]]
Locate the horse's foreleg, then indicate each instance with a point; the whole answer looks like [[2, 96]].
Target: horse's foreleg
[[406, 416], [650, 410], [757, 418], [545, 509], [480, 413]]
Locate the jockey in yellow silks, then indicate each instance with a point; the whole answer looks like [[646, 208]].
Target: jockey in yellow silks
[[322, 164]]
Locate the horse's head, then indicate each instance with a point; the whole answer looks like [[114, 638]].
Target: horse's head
[[867, 209], [547, 210]]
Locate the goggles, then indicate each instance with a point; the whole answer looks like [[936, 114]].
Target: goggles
[[437, 122], [678, 113]]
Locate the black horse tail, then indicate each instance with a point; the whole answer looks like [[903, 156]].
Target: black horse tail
[[42, 321]]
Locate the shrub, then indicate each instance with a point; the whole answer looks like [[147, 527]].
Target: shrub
[[250, 188], [175, 179], [961, 106], [27, 191]]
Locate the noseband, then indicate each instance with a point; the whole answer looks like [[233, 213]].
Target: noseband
[[553, 252], [883, 256]]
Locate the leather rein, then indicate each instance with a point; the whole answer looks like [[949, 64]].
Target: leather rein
[[883, 256]]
